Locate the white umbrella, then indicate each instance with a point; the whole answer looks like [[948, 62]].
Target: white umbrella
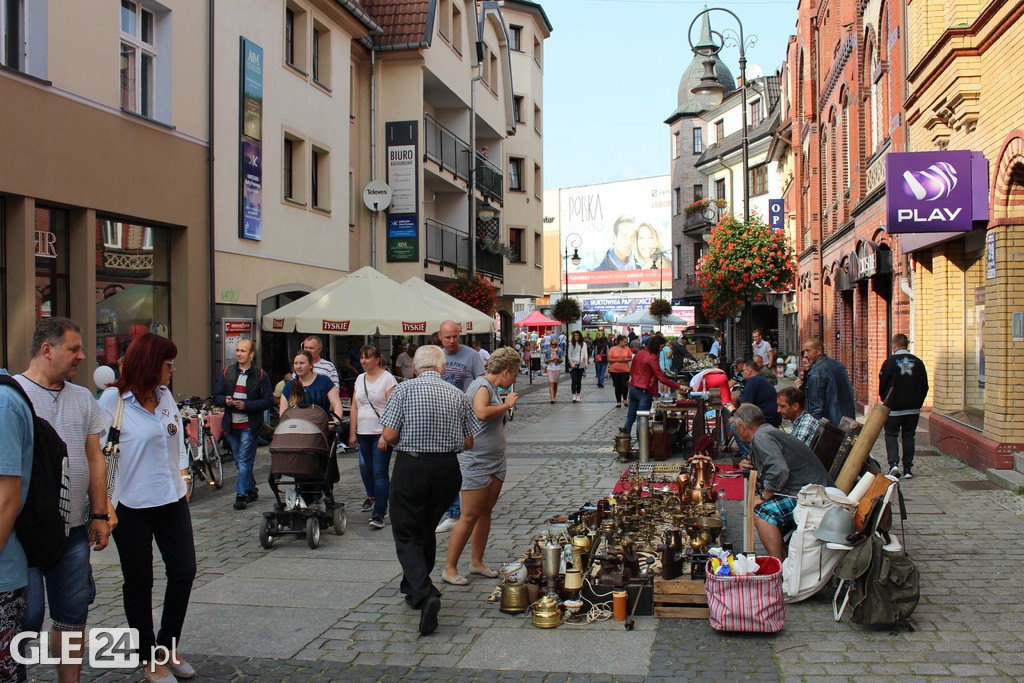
[[365, 302], [472, 320], [644, 317]]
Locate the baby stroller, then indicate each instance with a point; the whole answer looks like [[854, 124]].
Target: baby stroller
[[303, 461]]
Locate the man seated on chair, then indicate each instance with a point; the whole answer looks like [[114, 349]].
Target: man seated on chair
[[784, 465]]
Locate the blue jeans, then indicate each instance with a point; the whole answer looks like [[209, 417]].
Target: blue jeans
[[69, 587], [602, 368], [455, 509], [373, 468], [639, 399], [243, 444]]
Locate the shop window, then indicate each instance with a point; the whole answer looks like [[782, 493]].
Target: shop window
[[132, 285], [51, 253]]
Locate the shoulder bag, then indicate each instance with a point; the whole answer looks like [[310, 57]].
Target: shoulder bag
[[112, 449]]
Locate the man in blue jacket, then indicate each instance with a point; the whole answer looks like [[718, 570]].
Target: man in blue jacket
[[826, 385], [905, 376], [245, 393]]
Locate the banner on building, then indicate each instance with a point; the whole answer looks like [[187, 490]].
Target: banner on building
[[622, 233], [776, 214], [250, 180], [402, 139], [252, 191], [935, 191]]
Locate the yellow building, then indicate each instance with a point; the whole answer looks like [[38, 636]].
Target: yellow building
[[969, 287]]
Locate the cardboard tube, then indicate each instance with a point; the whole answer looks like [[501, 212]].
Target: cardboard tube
[[619, 605], [862, 447], [862, 487], [748, 517]]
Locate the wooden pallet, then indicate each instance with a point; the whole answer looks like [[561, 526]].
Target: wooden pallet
[[682, 598]]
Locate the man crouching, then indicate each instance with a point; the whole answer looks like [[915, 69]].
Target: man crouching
[[784, 465]]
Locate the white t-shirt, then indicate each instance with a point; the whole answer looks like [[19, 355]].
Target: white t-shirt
[[75, 415], [764, 350], [367, 421], [484, 355], [404, 365]]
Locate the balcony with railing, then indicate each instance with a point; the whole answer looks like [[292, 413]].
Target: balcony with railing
[[445, 148], [489, 263], [702, 220], [447, 246], [489, 178], [690, 287]]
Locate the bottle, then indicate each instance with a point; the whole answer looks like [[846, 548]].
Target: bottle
[[721, 507]]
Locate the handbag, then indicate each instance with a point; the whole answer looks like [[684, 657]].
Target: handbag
[[599, 358], [112, 449]]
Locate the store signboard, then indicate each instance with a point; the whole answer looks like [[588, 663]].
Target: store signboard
[[250, 180], [251, 227], [990, 255], [935, 191], [235, 330], [403, 236], [776, 214], [252, 90]]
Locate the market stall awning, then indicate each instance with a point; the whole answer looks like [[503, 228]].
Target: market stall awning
[[472, 320], [537, 319], [365, 302]]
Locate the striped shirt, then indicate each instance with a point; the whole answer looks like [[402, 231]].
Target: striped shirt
[[74, 415], [326, 368], [430, 415]]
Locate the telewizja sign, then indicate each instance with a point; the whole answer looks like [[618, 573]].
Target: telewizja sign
[[935, 191]]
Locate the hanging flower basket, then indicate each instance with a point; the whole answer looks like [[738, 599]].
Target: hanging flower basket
[[704, 204], [567, 310], [477, 291], [660, 308]]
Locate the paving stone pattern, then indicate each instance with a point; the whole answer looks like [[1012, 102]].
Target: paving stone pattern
[[335, 613]]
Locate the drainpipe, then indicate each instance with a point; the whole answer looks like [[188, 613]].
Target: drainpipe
[[373, 151], [214, 335], [472, 158]]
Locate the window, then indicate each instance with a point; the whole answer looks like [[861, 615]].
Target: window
[[51, 248], [320, 179], [758, 180], [538, 54], [457, 28], [719, 130], [720, 188], [675, 145], [12, 34], [755, 112], [538, 184], [698, 192], [321, 55], [537, 120], [538, 249], [295, 39], [293, 181], [517, 108], [515, 38], [493, 68], [676, 200], [444, 16], [698, 141], [515, 175], [677, 262], [516, 237], [138, 54]]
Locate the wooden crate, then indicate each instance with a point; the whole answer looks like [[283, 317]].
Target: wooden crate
[[682, 598]]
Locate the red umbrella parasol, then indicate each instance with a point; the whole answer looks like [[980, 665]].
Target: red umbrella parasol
[[537, 319]]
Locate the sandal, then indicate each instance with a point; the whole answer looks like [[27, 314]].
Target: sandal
[[457, 580], [486, 572]]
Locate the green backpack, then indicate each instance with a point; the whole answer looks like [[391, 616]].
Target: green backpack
[[885, 586]]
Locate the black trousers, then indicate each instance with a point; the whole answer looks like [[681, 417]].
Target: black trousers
[[422, 488], [621, 382], [576, 375], [171, 527], [895, 426]]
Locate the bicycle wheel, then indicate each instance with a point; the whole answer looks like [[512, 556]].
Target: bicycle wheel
[[211, 460]]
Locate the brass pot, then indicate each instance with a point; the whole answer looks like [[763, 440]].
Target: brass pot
[[515, 598], [546, 613], [582, 542]]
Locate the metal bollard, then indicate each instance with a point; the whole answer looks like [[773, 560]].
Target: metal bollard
[[644, 418]]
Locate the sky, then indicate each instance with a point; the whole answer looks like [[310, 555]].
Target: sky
[[611, 76]]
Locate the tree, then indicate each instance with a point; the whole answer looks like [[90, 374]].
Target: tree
[[567, 310], [744, 262]]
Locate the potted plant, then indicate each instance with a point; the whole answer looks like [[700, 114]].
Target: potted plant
[[567, 310], [476, 290], [659, 308]]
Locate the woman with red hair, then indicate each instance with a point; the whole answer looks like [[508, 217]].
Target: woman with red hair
[[150, 501]]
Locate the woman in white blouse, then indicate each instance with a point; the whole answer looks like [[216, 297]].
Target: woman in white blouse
[[150, 500], [372, 390]]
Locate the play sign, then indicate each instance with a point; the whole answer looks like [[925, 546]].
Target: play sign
[[935, 191]]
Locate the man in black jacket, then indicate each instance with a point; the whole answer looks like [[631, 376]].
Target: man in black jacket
[[245, 393], [905, 376]]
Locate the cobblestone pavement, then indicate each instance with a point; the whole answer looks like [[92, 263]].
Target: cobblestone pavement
[[296, 614]]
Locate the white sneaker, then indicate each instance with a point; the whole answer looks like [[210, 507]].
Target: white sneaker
[[446, 525]]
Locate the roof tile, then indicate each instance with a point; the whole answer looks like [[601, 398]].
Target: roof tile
[[403, 21]]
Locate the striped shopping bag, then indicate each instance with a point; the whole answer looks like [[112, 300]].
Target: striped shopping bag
[[750, 604]]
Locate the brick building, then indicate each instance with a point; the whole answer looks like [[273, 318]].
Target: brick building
[[969, 285], [846, 60]]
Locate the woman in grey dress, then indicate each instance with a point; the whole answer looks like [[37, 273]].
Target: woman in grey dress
[[483, 466]]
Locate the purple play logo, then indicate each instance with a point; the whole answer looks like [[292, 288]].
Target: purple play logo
[[934, 183], [935, 191]]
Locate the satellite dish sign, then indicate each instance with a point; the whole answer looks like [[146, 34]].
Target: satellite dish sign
[[377, 195]]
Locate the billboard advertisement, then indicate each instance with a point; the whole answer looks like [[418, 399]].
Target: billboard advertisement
[[622, 234], [935, 191]]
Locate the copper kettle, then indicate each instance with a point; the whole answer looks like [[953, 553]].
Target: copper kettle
[[696, 482]]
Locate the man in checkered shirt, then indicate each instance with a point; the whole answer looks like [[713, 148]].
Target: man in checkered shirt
[[791, 407], [429, 422]]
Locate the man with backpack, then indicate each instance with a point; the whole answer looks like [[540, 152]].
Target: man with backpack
[[16, 443], [74, 414], [245, 393]]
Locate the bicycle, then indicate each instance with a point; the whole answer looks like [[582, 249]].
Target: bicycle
[[204, 459]]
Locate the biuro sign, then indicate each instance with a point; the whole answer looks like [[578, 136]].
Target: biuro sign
[[414, 328], [336, 325], [935, 191]]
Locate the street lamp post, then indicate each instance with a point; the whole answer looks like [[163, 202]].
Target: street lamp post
[[709, 85], [573, 240]]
